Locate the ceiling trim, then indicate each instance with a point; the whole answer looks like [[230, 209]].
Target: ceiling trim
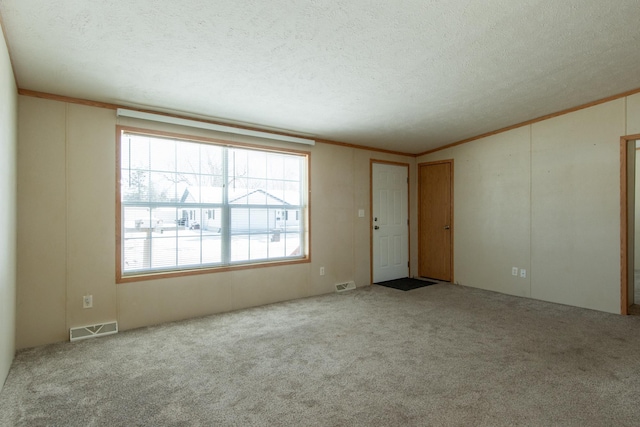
[[71, 100], [532, 121], [99, 104], [364, 147]]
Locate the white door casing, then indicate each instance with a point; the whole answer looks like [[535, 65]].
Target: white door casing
[[390, 221]]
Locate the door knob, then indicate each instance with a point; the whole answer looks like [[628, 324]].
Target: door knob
[[376, 227], [446, 227]]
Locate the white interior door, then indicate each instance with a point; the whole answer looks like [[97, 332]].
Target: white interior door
[[390, 221]]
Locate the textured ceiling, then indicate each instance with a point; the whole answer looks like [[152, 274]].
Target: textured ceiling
[[401, 75]]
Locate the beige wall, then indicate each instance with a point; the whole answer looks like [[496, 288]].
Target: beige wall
[[576, 207], [545, 197], [67, 230], [633, 114], [8, 148], [636, 212], [42, 222], [491, 211]]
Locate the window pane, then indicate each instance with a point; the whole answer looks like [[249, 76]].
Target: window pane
[[259, 221], [239, 247], [292, 168], [187, 157], [212, 181], [166, 219], [293, 244], [275, 166], [162, 186], [134, 185], [256, 184], [259, 246], [276, 244], [163, 251], [140, 220], [163, 155], [239, 196], [138, 151], [211, 248], [211, 194], [131, 217], [292, 219], [276, 190], [240, 221], [292, 193], [173, 196], [189, 248], [136, 253], [256, 164], [237, 163], [189, 189], [211, 159], [125, 150], [211, 221]]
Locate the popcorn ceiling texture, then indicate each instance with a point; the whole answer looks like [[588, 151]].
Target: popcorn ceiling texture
[[407, 76]]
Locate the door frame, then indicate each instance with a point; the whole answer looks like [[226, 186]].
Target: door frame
[[453, 228], [625, 238], [387, 162]]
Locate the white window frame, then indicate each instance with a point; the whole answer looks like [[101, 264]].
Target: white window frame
[[225, 208]]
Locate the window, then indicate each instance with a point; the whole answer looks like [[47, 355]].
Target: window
[[193, 205]]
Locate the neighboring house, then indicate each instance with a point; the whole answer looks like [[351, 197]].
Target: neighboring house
[[251, 210]]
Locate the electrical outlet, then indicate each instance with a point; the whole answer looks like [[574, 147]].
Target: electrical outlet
[[514, 271], [322, 271], [523, 273], [87, 301]]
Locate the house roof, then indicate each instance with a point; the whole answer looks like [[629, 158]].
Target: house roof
[[400, 75], [239, 196]]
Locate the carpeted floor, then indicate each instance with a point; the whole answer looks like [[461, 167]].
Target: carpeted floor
[[443, 355]]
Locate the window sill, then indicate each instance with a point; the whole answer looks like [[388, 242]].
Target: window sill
[[206, 270]]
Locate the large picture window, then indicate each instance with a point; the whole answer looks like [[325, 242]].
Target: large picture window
[[191, 205]]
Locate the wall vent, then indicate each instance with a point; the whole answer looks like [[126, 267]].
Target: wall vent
[[346, 286], [92, 331]]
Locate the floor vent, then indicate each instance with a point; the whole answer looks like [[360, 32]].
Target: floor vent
[[346, 286], [92, 331]]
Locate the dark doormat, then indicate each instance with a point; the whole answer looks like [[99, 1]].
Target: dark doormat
[[406, 284]]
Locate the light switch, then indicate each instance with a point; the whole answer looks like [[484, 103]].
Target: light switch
[[361, 213]]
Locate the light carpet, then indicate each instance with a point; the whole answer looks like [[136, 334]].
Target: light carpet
[[443, 355]]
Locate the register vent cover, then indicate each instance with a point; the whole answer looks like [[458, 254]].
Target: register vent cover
[[92, 331], [346, 286]]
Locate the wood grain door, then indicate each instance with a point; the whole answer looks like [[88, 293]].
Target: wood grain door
[[435, 228]]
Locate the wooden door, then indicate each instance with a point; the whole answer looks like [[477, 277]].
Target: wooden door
[[435, 227], [389, 222]]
